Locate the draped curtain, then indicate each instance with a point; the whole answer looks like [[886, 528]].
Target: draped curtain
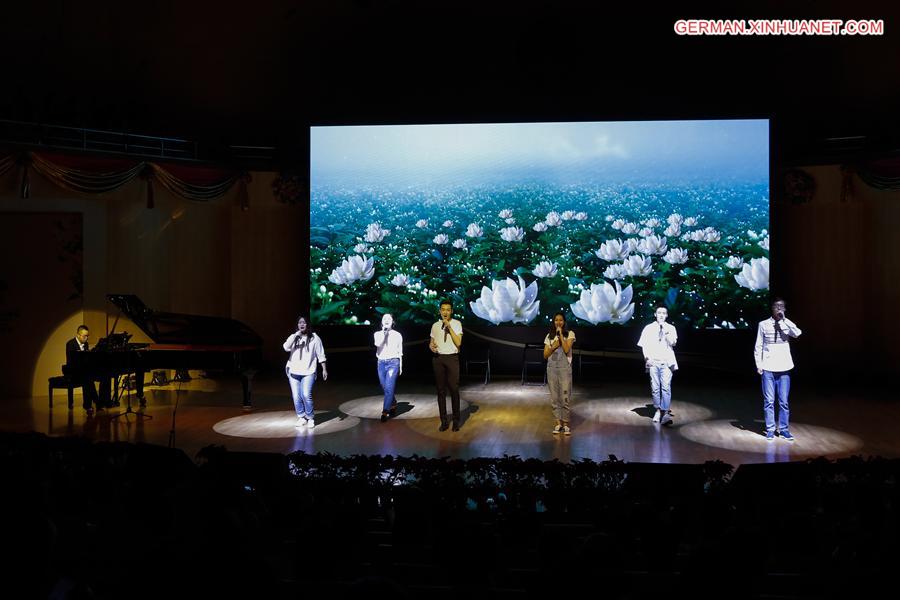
[[93, 175], [881, 174]]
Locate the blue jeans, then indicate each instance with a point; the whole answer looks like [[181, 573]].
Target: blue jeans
[[782, 382], [301, 391], [388, 370], [660, 384]]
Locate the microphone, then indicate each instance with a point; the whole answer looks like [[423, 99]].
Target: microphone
[[445, 330]]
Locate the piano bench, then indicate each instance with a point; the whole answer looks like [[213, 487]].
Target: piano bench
[[62, 382]]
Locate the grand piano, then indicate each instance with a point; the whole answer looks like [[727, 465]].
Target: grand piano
[[180, 342]]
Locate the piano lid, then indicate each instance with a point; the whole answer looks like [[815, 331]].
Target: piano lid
[[176, 328]]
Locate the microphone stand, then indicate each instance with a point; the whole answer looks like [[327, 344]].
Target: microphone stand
[[128, 409]]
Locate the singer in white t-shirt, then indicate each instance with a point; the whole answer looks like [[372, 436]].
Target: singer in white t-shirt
[[389, 351], [657, 342], [446, 338]]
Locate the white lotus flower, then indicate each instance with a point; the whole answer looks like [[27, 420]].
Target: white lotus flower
[[375, 233], [353, 268], [631, 244], [752, 234], [400, 280], [734, 262], [459, 244], [644, 232], [362, 249], [422, 223], [629, 228], [673, 230], [510, 221], [506, 301], [505, 213], [614, 271], [539, 227], [676, 256], [441, 239], [711, 235], [447, 223], [674, 219], [652, 245], [604, 304], [339, 277], [618, 224], [636, 265], [474, 231], [609, 218], [652, 223], [764, 243], [690, 221], [612, 250], [512, 234], [545, 269], [754, 276], [568, 215], [724, 325], [553, 219], [580, 216]]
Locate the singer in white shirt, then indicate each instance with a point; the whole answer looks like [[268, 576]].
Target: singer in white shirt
[[389, 351], [774, 362], [306, 353], [446, 338], [657, 342]]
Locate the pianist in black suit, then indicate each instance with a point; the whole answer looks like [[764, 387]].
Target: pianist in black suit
[[72, 370]]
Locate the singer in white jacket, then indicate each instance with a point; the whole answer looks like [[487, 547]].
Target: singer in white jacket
[[306, 353], [772, 354], [657, 342]]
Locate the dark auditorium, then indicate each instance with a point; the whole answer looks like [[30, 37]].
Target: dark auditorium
[[424, 300]]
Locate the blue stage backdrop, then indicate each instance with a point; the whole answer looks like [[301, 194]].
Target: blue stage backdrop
[[513, 222]]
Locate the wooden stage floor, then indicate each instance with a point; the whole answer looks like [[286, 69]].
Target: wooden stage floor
[[722, 420]]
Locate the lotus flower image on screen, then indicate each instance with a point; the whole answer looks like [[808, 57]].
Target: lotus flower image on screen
[[515, 221]]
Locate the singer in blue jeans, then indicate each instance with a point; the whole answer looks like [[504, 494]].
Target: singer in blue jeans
[[306, 353], [657, 342], [389, 351], [772, 353]]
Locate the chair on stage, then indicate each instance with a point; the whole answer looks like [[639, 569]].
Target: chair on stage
[[586, 360], [533, 356], [62, 382], [477, 352]]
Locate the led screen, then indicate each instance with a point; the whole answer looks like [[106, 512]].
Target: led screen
[[513, 222]]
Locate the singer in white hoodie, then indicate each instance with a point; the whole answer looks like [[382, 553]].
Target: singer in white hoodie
[[305, 354], [657, 342]]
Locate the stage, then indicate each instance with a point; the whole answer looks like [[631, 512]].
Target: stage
[[713, 420]]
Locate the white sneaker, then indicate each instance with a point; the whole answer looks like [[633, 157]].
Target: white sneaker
[[301, 421], [310, 423], [667, 419], [557, 430], [656, 416], [566, 430]]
